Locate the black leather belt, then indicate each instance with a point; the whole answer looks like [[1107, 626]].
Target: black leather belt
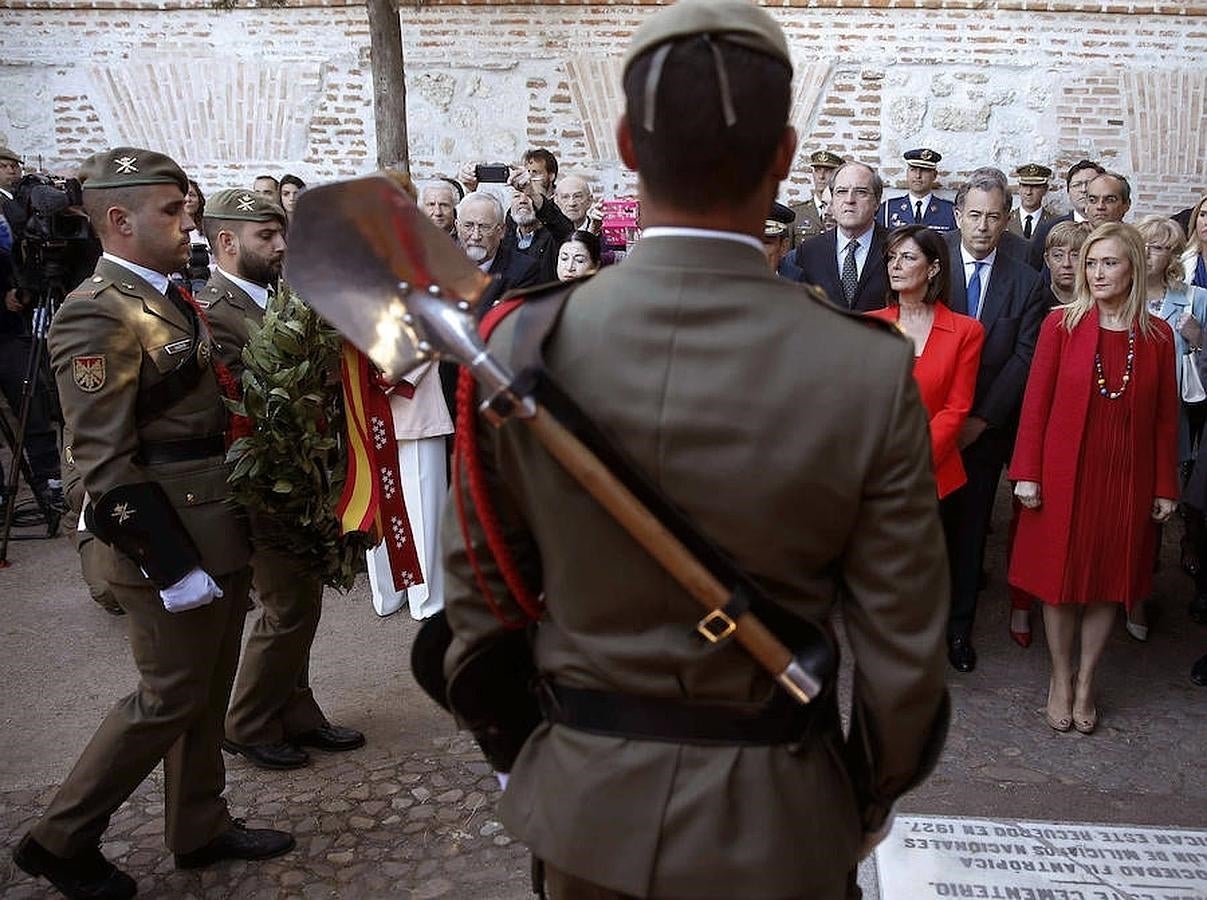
[[781, 721], [160, 452]]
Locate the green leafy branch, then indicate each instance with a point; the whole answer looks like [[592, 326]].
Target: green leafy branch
[[289, 471]]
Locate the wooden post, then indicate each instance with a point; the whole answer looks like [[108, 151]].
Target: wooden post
[[389, 85]]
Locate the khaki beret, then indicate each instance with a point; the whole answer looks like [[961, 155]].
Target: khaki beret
[[825, 159], [131, 167], [737, 21], [5, 153], [1033, 173], [243, 205]]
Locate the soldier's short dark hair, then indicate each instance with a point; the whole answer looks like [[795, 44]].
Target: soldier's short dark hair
[[98, 201], [691, 159], [543, 156]]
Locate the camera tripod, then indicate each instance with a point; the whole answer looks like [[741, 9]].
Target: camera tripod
[[48, 302]]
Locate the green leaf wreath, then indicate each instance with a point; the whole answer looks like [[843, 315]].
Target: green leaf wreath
[[290, 471]]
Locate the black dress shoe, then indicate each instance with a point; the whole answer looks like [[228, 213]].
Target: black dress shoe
[[238, 842], [86, 876], [960, 654], [281, 755], [334, 738], [1198, 672]]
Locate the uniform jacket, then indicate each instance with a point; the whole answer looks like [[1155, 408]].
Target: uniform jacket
[[808, 221], [717, 379], [1050, 445], [230, 312], [114, 337], [1011, 311], [817, 258], [940, 215], [1015, 225], [946, 373]]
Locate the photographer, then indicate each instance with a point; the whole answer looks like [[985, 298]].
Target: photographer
[[41, 446]]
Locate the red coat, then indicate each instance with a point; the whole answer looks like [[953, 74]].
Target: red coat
[[946, 375], [1048, 449]]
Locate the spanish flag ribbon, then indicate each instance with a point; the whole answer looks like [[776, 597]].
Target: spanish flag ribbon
[[372, 500]]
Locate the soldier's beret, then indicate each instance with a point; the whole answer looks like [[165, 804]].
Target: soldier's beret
[[5, 153], [777, 223], [922, 158], [243, 205], [825, 159], [1033, 173], [131, 167], [736, 21]]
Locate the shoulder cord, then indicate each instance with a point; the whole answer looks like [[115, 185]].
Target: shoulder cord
[[240, 426], [466, 453]]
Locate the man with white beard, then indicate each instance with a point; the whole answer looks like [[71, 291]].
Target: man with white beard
[[480, 228], [528, 235]]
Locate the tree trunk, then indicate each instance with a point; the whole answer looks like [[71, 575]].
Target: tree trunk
[[389, 85]]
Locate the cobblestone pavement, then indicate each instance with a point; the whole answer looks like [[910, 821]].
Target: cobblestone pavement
[[412, 815]]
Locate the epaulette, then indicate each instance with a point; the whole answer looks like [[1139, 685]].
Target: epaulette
[[209, 295], [88, 289], [819, 296]]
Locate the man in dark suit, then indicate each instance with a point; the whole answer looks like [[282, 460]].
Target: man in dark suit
[[1077, 181], [847, 262], [480, 226], [535, 228], [1005, 294]]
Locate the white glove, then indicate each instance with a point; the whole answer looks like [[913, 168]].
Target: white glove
[[194, 590]]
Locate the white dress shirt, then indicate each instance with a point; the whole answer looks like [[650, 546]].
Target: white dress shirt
[[157, 280], [257, 292], [914, 200]]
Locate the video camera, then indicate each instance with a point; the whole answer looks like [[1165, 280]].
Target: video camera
[[54, 247]]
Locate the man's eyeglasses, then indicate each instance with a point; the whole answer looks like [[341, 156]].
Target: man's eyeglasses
[[476, 227]]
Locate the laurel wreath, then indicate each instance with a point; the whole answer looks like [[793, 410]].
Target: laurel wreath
[[289, 471]]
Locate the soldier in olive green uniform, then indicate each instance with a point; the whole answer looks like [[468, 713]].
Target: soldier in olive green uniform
[[273, 712], [147, 420], [718, 381], [810, 216]]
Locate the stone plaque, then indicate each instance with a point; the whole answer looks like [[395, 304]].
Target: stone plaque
[[928, 857]]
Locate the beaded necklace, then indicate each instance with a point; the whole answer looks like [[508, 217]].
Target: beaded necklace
[[1100, 375]]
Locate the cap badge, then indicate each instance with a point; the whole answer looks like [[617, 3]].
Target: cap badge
[[126, 165], [246, 204]]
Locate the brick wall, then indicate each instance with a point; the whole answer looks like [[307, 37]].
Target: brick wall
[[234, 92]]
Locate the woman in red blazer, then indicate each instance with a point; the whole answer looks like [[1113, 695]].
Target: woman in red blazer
[[1095, 463], [947, 345]]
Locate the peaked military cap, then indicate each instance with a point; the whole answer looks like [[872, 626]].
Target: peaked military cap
[[737, 21], [5, 153], [825, 159], [243, 205], [131, 167], [922, 158], [1033, 173], [777, 223]]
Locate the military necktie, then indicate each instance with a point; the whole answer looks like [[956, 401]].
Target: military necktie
[[974, 290], [850, 274], [917, 211], [1027, 228]]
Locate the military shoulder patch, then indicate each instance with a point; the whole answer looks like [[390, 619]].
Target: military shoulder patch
[[88, 372]]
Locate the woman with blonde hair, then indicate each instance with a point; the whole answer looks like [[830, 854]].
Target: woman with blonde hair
[[1095, 463], [1194, 257]]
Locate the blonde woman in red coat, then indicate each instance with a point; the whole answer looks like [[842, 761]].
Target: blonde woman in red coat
[[1095, 463], [947, 345]]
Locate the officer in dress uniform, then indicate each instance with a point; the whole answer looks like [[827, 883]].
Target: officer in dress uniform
[[810, 216], [919, 206], [667, 766], [273, 713], [1033, 182], [145, 412]]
